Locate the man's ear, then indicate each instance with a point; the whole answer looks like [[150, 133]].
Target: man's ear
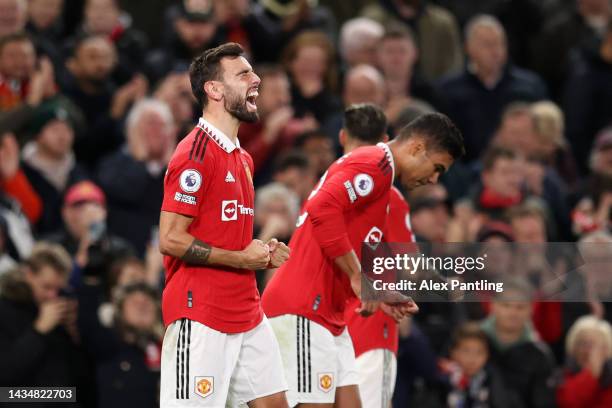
[[213, 90], [415, 146], [342, 137], [385, 138]]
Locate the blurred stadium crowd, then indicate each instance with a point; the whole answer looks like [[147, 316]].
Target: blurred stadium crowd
[[95, 94]]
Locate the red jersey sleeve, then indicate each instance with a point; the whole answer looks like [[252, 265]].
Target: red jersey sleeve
[[186, 183], [350, 186]]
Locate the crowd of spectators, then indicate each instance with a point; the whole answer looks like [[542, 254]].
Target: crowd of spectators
[[95, 95]]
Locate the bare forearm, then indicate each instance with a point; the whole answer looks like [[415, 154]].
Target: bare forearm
[[349, 263], [196, 252], [200, 253]]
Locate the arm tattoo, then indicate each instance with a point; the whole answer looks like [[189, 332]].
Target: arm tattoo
[[197, 253]]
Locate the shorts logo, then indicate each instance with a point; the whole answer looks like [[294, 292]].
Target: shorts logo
[[204, 386], [190, 181], [364, 184], [229, 210], [326, 381], [373, 238]]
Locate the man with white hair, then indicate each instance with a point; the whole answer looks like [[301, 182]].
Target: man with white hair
[[132, 178], [358, 40], [476, 97]]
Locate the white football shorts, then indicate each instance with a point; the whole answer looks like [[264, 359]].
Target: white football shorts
[[202, 367]]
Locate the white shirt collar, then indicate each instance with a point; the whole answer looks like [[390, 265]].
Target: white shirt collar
[[387, 150], [218, 136]]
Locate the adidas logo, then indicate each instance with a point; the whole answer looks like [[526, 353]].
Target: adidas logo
[[229, 178]]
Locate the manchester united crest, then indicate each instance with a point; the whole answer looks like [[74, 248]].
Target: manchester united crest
[[326, 381], [204, 386]]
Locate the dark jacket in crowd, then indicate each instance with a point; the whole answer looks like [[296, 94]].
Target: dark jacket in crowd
[[551, 48], [53, 199], [134, 198], [486, 389], [477, 109], [268, 38], [322, 106], [27, 357], [527, 366], [127, 373], [587, 99], [102, 253], [103, 133]]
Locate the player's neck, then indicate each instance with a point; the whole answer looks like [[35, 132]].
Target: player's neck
[[223, 121], [395, 149]]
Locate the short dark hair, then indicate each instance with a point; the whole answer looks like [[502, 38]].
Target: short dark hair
[[397, 31], [439, 132], [269, 70], [468, 331], [207, 67], [309, 135], [365, 122], [291, 159], [14, 37], [494, 153]]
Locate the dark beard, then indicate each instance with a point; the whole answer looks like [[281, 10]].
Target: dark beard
[[236, 106]]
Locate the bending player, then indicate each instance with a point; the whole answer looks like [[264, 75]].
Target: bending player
[[218, 348], [375, 338], [306, 297]]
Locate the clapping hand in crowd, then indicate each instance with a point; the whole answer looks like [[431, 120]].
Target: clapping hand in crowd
[[129, 93], [9, 156], [42, 83]]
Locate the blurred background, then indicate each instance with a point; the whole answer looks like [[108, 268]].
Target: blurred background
[[95, 94]]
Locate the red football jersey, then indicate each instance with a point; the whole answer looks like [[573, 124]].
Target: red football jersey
[[379, 331], [210, 179], [346, 208]]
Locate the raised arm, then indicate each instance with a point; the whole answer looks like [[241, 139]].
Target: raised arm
[[174, 240]]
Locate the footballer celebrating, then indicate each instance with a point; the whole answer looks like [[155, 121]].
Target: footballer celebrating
[[375, 338], [218, 349], [306, 298]]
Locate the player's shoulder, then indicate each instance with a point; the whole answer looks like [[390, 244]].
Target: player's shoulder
[[193, 149], [377, 158], [368, 153]]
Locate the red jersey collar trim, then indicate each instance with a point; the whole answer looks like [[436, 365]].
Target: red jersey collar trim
[[218, 136], [389, 155]]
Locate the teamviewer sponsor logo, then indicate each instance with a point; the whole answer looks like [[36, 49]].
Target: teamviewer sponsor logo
[[231, 208]]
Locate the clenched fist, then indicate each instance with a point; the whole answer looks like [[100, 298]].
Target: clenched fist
[[256, 255], [279, 253]]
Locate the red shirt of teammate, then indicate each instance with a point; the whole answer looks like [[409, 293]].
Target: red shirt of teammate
[[379, 331], [310, 284]]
